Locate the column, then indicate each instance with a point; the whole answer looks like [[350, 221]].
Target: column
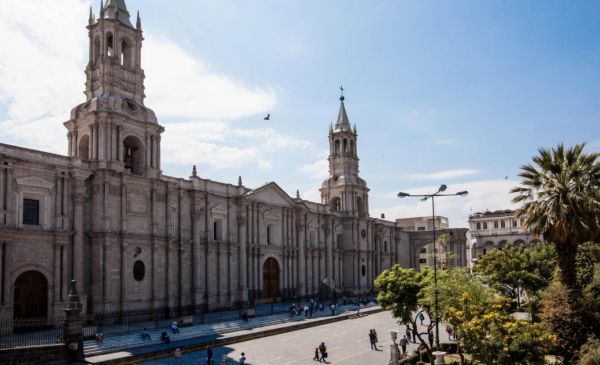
[[303, 269], [70, 142], [243, 258], [196, 259], [79, 197]]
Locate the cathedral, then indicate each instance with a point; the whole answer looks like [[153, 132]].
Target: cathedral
[[135, 239]]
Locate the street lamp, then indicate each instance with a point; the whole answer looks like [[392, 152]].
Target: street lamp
[[424, 197]]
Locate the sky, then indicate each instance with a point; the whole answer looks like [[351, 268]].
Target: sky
[[460, 93]]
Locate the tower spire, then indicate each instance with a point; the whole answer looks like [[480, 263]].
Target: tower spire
[[138, 22], [342, 122], [101, 9], [91, 18], [116, 9]]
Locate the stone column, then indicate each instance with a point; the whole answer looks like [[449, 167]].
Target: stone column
[[70, 143], [197, 292], [243, 255], [79, 197], [303, 269]]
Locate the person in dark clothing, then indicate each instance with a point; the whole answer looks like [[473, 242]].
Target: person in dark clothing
[[430, 339], [323, 351], [414, 333], [372, 340], [164, 337], [209, 356], [403, 344]]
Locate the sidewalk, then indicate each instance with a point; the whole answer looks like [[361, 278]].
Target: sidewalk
[[124, 349]]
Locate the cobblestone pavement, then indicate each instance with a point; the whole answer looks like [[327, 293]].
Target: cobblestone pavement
[[347, 343]]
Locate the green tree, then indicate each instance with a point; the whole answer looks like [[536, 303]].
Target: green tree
[[400, 291], [513, 270], [560, 197]]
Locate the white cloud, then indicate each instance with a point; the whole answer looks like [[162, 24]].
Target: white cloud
[[483, 195], [318, 170], [446, 174], [180, 86], [45, 49], [44, 44]]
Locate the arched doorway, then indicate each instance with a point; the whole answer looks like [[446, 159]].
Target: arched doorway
[[31, 296], [271, 278]]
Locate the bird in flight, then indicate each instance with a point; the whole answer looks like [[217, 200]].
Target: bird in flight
[[268, 117]]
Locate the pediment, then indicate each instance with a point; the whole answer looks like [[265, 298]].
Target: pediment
[[34, 181], [271, 194]]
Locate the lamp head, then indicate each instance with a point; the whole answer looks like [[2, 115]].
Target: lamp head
[[423, 199], [403, 195], [462, 193], [442, 188]]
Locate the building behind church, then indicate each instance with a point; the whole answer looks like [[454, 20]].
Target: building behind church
[[133, 238]]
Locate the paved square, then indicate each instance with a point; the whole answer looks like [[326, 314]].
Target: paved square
[[347, 343]]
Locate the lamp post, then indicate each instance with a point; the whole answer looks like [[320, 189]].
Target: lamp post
[[424, 197]]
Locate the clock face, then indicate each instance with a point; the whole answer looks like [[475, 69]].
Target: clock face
[[363, 233]]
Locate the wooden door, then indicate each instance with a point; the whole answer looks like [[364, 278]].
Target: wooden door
[[271, 278], [31, 296]]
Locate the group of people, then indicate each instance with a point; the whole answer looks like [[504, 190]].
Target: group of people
[[308, 309], [321, 353]]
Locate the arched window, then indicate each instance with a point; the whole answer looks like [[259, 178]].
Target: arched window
[[359, 206], [110, 51], [336, 204], [125, 54], [337, 147], [133, 155], [83, 149], [345, 145], [352, 147], [96, 54]]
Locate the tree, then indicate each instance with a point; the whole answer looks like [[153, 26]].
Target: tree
[[513, 270], [400, 291], [487, 331], [560, 197]]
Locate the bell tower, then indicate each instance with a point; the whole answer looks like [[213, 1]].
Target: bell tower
[[344, 191], [113, 129]]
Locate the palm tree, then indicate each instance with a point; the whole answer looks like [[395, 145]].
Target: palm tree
[[560, 197]]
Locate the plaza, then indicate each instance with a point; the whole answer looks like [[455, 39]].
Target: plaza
[[347, 344]]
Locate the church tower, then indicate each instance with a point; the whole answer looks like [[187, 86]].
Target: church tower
[[344, 191], [113, 129]]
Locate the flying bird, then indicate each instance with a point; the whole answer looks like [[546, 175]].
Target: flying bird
[[505, 177], [268, 117]]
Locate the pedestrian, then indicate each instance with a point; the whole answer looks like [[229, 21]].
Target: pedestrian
[[306, 311], [332, 309], [403, 344], [174, 327], [375, 333], [414, 333], [99, 337], [145, 335], [243, 359], [316, 354], [311, 309], [164, 337], [408, 333], [421, 318], [372, 340], [323, 351], [209, 356]]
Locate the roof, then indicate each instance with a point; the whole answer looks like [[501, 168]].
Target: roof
[[116, 9], [342, 122]]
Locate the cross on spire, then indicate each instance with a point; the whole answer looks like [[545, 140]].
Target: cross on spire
[[342, 93]]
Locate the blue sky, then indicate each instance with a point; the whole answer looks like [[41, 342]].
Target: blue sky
[[454, 92]]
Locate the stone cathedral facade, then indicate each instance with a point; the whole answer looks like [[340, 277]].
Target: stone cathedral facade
[[133, 238]]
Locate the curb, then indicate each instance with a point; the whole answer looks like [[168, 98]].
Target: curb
[[129, 356]]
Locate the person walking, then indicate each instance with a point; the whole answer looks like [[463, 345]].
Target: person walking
[[209, 356], [316, 358], [403, 344], [243, 359], [323, 352], [421, 318], [375, 333], [414, 333], [174, 327], [372, 340]]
